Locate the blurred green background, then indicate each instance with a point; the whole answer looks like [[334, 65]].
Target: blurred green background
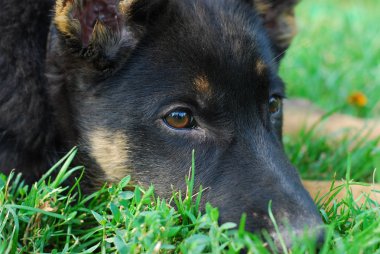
[[336, 53]]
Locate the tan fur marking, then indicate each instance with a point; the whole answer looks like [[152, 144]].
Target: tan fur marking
[[202, 85], [125, 5], [109, 149], [260, 67], [262, 7], [63, 19]]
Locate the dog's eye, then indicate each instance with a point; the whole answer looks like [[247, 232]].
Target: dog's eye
[[180, 120], [274, 104]]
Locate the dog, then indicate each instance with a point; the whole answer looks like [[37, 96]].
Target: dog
[[138, 84]]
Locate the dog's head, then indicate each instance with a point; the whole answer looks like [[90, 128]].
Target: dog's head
[[145, 82]]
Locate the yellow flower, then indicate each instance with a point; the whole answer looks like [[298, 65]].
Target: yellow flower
[[357, 99]]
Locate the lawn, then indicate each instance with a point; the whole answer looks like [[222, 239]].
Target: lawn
[[336, 54]]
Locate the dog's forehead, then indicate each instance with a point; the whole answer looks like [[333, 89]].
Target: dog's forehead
[[221, 43], [223, 32]]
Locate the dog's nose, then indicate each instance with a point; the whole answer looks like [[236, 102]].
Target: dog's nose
[[287, 238], [321, 236]]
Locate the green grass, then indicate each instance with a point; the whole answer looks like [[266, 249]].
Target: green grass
[[336, 53], [317, 159], [49, 218]]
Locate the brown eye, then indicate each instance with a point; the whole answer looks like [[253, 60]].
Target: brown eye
[[179, 120], [274, 104]]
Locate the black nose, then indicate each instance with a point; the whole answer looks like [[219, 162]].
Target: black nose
[[288, 238], [321, 239]]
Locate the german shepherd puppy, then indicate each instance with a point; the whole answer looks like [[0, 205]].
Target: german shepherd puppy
[[138, 84]]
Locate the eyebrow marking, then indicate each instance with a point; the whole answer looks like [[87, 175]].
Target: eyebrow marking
[[262, 6], [202, 84], [260, 67]]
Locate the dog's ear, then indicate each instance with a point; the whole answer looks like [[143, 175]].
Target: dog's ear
[[102, 32], [278, 19]]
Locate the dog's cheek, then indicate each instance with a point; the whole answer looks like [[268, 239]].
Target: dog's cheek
[[109, 149]]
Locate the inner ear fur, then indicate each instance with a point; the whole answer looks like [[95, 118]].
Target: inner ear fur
[[101, 33], [278, 18]]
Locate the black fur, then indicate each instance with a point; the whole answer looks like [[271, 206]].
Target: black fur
[[25, 119], [111, 98]]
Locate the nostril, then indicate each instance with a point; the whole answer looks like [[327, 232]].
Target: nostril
[[288, 238], [321, 236]]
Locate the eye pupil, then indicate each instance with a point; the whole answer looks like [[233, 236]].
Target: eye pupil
[[179, 120], [274, 105]]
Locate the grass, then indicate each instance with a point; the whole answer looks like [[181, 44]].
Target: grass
[[49, 218], [335, 54], [318, 159]]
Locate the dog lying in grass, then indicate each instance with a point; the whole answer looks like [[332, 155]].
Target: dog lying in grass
[[139, 84]]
